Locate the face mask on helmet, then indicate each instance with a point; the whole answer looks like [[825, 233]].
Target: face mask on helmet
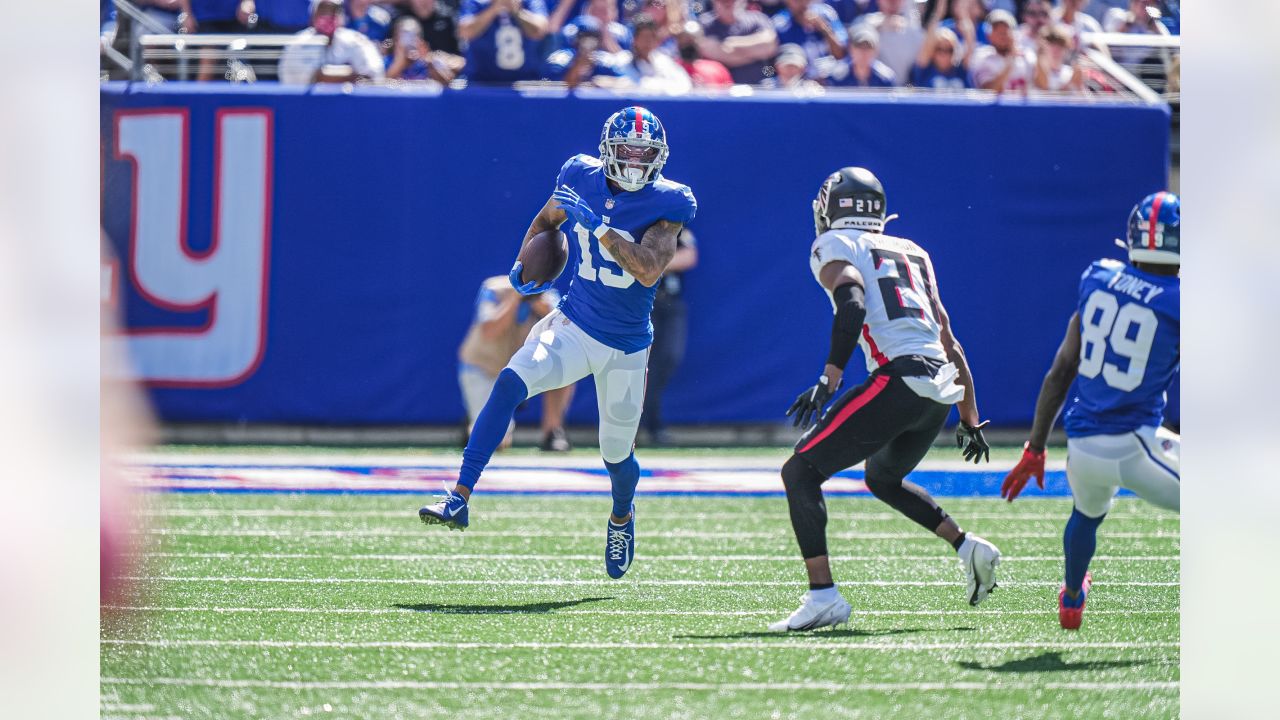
[[632, 163]]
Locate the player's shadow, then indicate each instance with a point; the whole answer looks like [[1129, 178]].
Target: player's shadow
[[1049, 662], [816, 634], [522, 608]]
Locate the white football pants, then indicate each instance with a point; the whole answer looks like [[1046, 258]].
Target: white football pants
[[1145, 461], [559, 353]]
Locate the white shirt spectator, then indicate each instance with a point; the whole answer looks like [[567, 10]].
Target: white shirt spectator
[[987, 64], [1060, 79], [900, 39], [1081, 23], [1117, 21], [660, 73], [302, 57]]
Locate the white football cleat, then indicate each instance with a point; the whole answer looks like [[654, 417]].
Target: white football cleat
[[979, 559], [813, 614]]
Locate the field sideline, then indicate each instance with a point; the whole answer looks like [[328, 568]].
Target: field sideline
[[302, 600]]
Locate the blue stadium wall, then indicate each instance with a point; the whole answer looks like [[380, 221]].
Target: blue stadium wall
[[386, 210]]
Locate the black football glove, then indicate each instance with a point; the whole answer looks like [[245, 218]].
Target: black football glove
[[971, 443], [808, 407]]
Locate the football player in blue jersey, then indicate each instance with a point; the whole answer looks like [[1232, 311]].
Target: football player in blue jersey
[[1121, 350], [622, 217]]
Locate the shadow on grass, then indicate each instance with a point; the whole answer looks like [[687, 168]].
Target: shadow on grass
[[818, 634], [524, 608], [1049, 662]]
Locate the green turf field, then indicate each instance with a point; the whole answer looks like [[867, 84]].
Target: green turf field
[[346, 606]]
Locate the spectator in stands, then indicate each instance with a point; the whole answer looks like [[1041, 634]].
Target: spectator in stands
[[503, 39], [899, 36], [282, 17], [411, 56], [851, 12], [943, 63], [585, 62], [742, 40], [214, 16], [957, 13], [863, 68], [703, 72], [671, 325], [1071, 13], [790, 70], [439, 28], [345, 55], [1053, 73], [1003, 65], [502, 320], [816, 29], [650, 68], [1142, 18], [372, 21], [1035, 15], [614, 38], [166, 12]]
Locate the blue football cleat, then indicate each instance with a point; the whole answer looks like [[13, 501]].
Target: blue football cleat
[[620, 546], [451, 510]]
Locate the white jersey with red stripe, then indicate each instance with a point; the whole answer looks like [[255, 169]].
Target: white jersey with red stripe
[[901, 317]]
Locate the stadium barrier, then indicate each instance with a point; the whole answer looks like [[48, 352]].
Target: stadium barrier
[[312, 255]]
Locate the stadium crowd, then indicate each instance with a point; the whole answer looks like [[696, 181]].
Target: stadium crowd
[[671, 46]]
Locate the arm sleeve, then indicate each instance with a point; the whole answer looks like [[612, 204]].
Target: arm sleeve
[[851, 312]]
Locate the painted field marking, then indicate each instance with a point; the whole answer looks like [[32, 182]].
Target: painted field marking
[[611, 687], [656, 558], [599, 581], [547, 515], [817, 643], [556, 613], [679, 535]]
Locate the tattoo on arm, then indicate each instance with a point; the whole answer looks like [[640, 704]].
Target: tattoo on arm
[[548, 218], [647, 259]]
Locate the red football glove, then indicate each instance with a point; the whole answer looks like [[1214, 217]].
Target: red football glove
[[1031, 465]]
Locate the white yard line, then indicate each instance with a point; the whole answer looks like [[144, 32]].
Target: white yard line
[[547, 515], [599, 581], [610, 687], [817, 643], [941, 558], [556, 613], [536, 533]]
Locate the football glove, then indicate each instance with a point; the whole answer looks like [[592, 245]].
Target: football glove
[[1031, 465], [525, 288], [970, 441], [808, 407], [575, 207]]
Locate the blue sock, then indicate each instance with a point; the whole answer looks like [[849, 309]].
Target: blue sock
[[1079, 541], [624, 475], [491, 426]]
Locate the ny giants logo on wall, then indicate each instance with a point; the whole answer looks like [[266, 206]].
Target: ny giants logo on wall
[[226, 283]]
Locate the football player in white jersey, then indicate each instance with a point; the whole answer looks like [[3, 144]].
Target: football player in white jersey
[[885, 297]]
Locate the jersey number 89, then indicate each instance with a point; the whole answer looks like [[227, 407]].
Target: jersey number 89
[[1104, 323]]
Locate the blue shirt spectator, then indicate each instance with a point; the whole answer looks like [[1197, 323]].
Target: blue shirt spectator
[[850, 10], [620, 35], [862, 69], [815, 27], [283, 16], [502, 39], [585, 60], [372, 21]]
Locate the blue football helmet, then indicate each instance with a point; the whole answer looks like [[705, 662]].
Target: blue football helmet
[[633, 148], [1154, 229]]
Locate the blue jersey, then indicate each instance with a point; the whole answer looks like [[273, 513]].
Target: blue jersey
[[605, 301], [1129, 349], [503, 53]]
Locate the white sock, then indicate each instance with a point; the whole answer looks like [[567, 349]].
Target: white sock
[[825, 595]]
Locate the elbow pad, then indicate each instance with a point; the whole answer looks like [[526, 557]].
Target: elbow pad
[[851, 312]]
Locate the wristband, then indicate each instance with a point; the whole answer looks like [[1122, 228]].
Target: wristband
[[600, 231]]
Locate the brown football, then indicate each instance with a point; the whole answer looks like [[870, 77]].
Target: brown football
[[544, 257]]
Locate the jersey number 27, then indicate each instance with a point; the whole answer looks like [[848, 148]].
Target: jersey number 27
[[1128, 331], [894, 289]]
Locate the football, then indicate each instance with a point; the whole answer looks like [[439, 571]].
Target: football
[[544, 257]]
